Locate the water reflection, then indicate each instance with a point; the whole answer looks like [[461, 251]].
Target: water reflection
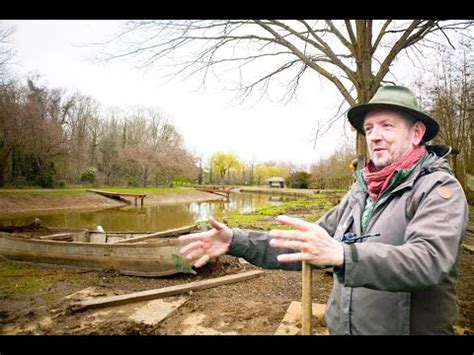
[[275, 200], [151, 218]]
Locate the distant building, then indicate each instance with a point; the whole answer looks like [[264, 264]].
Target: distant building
[[276, 181]]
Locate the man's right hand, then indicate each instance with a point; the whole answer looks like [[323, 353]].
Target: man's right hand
[[205, 245]]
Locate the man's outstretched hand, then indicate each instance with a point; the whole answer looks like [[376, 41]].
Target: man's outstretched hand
[[205, 245]]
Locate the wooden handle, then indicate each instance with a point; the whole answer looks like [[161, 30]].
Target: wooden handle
[[307, 300]]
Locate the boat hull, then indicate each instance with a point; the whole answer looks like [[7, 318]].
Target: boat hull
[[139, 259]]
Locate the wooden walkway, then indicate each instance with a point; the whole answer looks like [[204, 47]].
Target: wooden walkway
[[118, 195], [221, 192]]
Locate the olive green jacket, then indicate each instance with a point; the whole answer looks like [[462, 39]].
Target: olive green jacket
[[402, 282]]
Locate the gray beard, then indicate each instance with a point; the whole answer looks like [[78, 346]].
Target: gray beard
[[378, 168]]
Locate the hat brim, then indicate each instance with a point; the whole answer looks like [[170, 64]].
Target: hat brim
[[356, 117]]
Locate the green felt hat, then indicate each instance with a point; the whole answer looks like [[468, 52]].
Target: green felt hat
[[393, 97]]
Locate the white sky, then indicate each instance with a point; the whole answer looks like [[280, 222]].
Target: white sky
[[208, 119]]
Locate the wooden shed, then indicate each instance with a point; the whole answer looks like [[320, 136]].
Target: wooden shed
[[276, 181]]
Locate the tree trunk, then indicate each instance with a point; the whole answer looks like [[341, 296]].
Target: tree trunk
[[366, 85], [200, 173], [145, 177], [362, 153], [455, 153], [222, 177], [363, 96], [2, 172], [14, 173], [251, 182], [470, 167]]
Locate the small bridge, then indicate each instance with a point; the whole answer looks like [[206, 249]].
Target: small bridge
[[118, 195]]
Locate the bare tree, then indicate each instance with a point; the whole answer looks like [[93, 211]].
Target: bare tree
[[10, 132], [334, 172], [7, 52], [354, 55], [450, 100]]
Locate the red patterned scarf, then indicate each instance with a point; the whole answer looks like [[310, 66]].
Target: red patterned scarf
[[378, 180]]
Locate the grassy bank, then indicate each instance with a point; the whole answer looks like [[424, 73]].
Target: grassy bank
[[285, 191], [309, 208]]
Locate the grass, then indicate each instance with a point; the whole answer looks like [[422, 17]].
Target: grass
[[285, 189], [18, 279], [471, 209], [311, 207], [23, 281]]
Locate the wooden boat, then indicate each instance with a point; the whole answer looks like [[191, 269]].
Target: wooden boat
[[128, 253]]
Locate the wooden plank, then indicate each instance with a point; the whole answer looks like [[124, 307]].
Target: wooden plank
[[110, 193], [156, 235], [58, 236], [291, 322], [163, 292], [155, 311], [220, 192]]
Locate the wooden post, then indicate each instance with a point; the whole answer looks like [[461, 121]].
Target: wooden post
[[307, 300]]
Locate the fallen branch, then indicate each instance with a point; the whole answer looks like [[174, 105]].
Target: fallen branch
[[162, 292]]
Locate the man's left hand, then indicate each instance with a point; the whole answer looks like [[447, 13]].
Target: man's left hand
[[313, 243]]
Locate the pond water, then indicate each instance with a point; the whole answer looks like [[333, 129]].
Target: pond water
[[149, 218]]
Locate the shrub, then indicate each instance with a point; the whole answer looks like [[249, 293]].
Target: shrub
[[89, 175]]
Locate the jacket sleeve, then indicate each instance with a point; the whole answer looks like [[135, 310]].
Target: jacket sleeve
[[254, 247], [432, 240]]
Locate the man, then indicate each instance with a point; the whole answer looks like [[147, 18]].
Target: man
[[393, 240]]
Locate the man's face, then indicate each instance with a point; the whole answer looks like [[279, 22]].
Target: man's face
[[388, 136]]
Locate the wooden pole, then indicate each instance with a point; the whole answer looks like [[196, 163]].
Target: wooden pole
[[307, 300]]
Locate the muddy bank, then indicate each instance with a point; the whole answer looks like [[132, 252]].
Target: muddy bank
[[16, 204]]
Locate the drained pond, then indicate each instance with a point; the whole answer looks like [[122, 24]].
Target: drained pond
[[149, 218]]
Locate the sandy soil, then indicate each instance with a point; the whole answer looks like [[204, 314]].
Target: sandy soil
[[36, 299]]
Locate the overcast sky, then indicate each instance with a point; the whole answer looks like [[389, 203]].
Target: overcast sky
[[209, 120]]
